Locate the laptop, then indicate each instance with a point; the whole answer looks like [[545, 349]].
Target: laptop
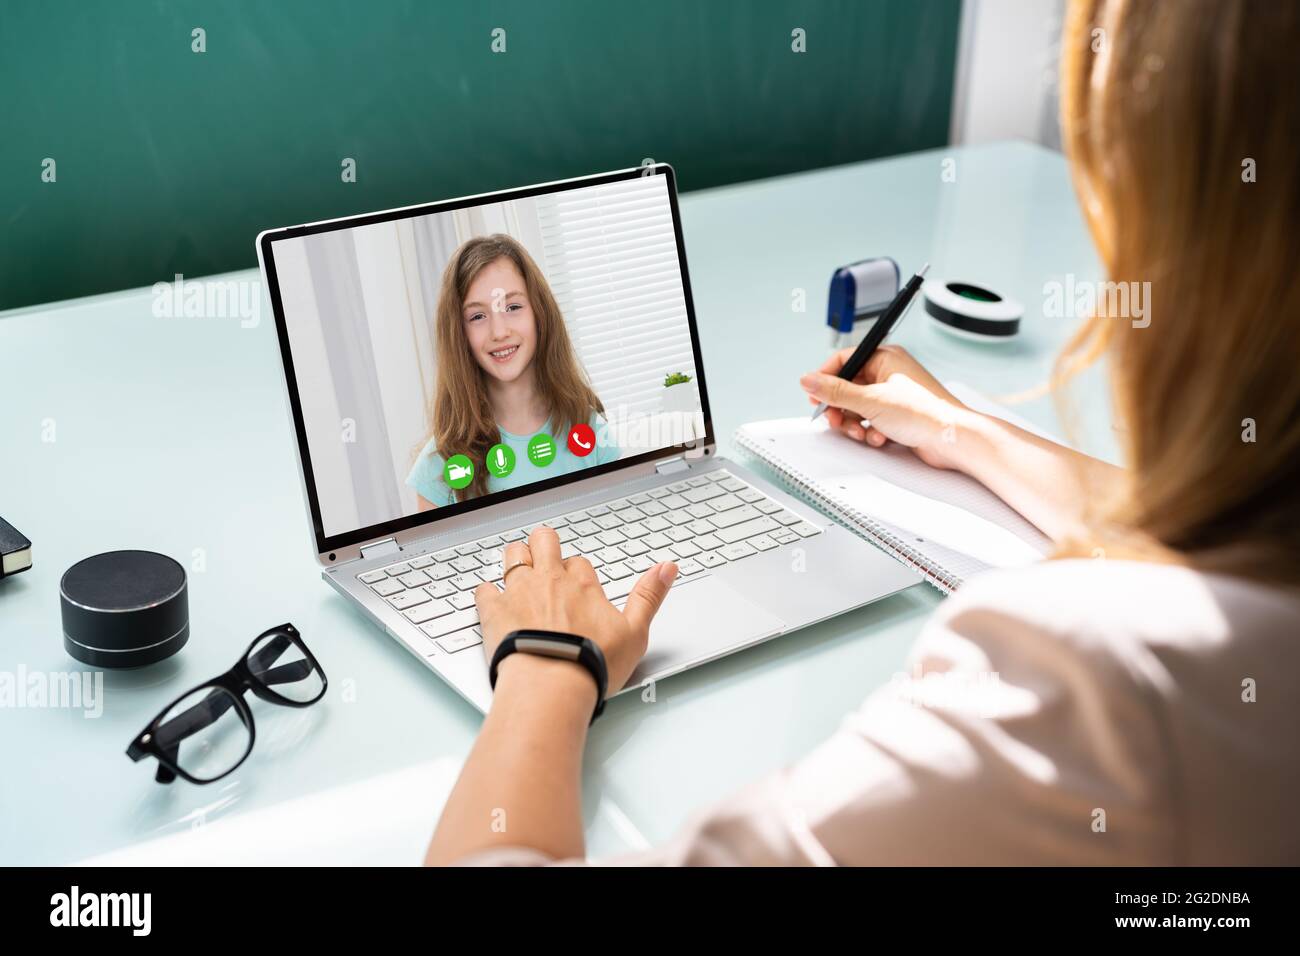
[[461, 372]]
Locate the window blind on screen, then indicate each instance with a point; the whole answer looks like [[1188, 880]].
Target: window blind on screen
[[611, 259]]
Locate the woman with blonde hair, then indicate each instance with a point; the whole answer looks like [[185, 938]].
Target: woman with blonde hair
[[1144, 706], [507, 372]]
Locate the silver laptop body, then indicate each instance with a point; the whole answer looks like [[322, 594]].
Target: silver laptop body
[[754, 562]]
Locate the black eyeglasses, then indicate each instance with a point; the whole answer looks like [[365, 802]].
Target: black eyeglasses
[[208, 732]]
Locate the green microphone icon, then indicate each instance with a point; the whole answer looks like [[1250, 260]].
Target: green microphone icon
[[500, 460]]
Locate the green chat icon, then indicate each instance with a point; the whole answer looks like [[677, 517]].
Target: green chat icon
[[541, 450]]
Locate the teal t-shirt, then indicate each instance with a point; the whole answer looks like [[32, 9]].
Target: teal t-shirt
[[427, 479]]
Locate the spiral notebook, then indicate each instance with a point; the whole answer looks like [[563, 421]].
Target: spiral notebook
[[944, 524]]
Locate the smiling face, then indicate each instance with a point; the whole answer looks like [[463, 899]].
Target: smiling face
[[515, 359], [499, 322]]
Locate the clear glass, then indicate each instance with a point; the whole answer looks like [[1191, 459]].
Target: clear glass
[[205, 733], [282, 667]]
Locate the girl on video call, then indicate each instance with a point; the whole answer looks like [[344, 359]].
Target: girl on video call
[[506, 372]]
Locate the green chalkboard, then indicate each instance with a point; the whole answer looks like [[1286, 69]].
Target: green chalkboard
[[169, 160]]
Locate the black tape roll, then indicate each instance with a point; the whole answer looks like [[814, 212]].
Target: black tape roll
[[972, 310]]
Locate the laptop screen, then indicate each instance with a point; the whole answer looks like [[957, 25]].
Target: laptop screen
[[444, 357]]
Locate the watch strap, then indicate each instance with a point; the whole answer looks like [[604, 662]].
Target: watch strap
[[559, 645]]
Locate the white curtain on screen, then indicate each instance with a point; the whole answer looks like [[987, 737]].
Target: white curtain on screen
[[611, 258]]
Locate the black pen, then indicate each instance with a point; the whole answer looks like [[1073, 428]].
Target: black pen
[[884, 325]]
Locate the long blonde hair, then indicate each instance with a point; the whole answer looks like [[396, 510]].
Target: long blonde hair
[[461, 421], [1180, 121]]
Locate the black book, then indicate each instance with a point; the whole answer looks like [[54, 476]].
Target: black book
[[15, 550]]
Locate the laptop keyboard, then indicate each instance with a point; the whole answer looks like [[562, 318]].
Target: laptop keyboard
[[701, 522]]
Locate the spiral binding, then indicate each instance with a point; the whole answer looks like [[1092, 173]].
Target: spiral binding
[[862, 525]]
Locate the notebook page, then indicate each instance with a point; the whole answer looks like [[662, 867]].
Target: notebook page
[[956, 564], [948, 517], [928, 521]]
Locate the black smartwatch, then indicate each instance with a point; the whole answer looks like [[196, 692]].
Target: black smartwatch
[[567, 647]]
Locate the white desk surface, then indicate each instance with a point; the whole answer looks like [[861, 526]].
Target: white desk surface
[[173, 435]]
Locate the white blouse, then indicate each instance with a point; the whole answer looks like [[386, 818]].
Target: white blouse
[[1073, 712]]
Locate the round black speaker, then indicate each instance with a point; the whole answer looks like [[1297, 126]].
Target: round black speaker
[[124, 609]]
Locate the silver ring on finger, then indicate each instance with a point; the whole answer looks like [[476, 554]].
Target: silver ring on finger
[[521, 560]]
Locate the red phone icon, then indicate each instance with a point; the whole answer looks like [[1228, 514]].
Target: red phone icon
[[582, 440]]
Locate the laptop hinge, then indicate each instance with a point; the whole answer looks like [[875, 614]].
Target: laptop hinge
[[671, 466], [380, 548]]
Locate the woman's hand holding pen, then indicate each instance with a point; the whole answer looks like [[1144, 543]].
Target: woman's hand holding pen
[[893, 398]]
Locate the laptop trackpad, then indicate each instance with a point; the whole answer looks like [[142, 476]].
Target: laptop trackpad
[[700, 620]]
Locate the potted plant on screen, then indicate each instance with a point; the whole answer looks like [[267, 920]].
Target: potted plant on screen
[[681, 393]]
